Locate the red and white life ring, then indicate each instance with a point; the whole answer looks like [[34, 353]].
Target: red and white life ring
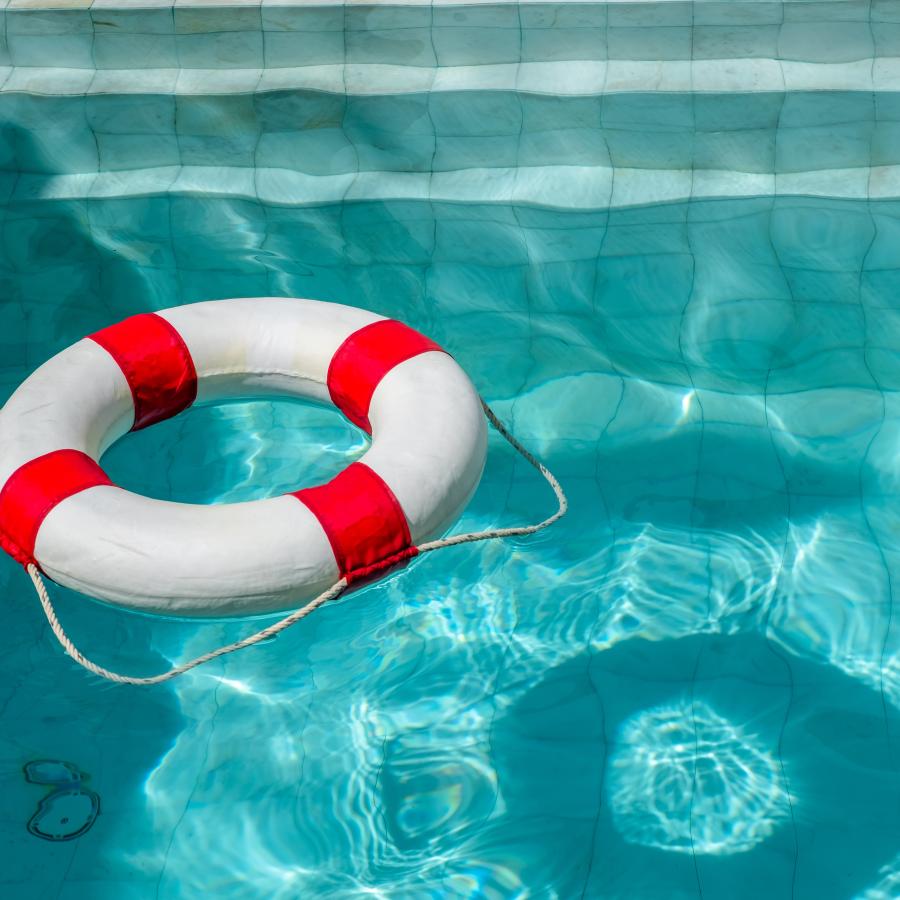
[[60, 511]]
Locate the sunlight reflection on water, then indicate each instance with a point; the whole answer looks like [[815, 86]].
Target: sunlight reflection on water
[[685, 779]]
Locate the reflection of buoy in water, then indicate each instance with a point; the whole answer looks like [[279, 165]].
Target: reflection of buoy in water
[[70, 809]]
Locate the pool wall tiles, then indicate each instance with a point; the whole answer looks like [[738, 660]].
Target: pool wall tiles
[[576, 92], [280, 36]]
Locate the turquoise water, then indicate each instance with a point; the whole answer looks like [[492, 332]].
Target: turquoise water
[[684, 301], [689, 684]]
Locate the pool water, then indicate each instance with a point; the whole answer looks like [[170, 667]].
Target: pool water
[[690, 686]]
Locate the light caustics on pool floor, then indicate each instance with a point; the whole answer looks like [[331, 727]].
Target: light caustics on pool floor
[[662, 240]]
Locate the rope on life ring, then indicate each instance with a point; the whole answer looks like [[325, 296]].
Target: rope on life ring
[[330, 594]]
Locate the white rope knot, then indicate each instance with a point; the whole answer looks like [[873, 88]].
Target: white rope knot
[[332, 593]]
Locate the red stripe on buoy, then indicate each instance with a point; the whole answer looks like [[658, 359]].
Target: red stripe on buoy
[[34, 489], [364, 359], [157, 364], [363, 520]]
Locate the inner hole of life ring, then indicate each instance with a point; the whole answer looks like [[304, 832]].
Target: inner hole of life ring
[[236, 450]]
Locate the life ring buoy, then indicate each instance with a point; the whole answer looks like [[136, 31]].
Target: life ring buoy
[[59, 510]]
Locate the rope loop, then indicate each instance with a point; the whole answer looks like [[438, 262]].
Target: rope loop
[[332, 593]]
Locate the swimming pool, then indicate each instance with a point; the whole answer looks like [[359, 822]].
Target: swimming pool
[[661, 238]]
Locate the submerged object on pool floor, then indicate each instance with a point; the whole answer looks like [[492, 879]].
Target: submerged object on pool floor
[[70, 809], [61, 515]]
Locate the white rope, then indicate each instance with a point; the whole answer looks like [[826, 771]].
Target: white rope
[[333, 592]]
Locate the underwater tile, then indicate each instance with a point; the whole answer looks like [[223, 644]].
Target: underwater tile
[[484, 185], [490, 15], [847, 76], [884, 182], [137, 81], [886, 75], [887, 38], [131, 183], [649, 112], [490, 77], [154, 116], [564, 187], [885, 145], [137, 151], [49, 4], [383, 152], [814, 11], [562, 79], [303, 48], [635, 187], [134, 51], [651, 13], [630, 239], [823, 147], [803, 226], [713, 183], [55, 81], [646, 42], [466, 152], [219, 50], [458, 115], [218, 81], [117, 5], [476, 46], [387, 18], [124, 889], [386, 121], [213, 285], [324, 78], [65, 50], [885, 11], [294, 110], [732, 41], [648, 75], [664, 149], [719, 75], [192, 18], [293, 18], [234, 181], [371, 78], [751, 151], [132, 20], [320, 152], [542, 16], [574, 147], [285, 187], [40, 20], [838, 109], [561, 43], [205, 150], [714, 12], [825, 42], [389, 186], [548, 114], [397, 46], [226, 5]]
